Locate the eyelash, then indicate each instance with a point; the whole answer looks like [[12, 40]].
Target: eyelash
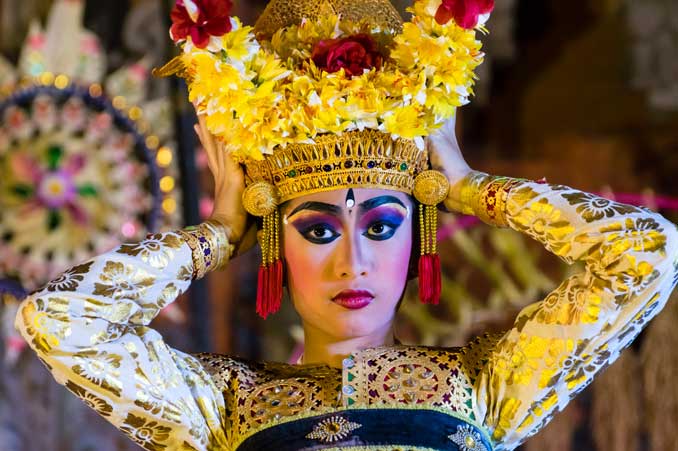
[[316, 240], [384, 236], [307, 233]]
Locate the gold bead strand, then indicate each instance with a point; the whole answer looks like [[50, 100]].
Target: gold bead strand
[[264, 242], [276, 233], [422, 230]]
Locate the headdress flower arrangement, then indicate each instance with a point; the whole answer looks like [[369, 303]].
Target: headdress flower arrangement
[[294, 84], [327, 76]]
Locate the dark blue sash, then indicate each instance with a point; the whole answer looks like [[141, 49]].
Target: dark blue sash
[[378, 427]]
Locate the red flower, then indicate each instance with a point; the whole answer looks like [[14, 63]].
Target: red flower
[[353, 54], [200, 19], [464, 12]]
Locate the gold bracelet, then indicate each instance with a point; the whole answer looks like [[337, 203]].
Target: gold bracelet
[[471, 185], [190, 235], [209, 247], [488, 196], [224, 247]]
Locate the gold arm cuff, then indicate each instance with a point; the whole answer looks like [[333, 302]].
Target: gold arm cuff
[[224, 247], [209, 247], [486, 196]]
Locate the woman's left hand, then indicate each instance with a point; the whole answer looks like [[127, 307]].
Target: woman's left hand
[[445, 156]]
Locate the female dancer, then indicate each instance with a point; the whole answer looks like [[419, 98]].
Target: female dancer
[[347, 212]]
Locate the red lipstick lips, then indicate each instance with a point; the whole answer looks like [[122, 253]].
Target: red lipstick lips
[[353, 299]]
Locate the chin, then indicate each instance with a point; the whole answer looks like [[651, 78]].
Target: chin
[[355, 324]]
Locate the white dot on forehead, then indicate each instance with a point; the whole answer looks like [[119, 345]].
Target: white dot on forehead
[[350, 198]]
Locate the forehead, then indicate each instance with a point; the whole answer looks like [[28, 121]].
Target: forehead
[[338, 197]]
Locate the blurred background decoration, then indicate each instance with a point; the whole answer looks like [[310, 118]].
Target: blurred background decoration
[[94, 152]]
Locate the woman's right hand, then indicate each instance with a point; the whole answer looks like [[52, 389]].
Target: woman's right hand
[[229, 184]]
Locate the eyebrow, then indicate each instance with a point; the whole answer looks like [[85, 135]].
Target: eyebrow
[[334, 210], [369, 204], [321, 207]]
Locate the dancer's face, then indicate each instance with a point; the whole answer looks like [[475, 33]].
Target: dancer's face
[[347, 254]]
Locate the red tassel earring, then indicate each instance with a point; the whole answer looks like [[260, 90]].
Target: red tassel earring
[[429, 261], [430, 188], [269, 283], [261, 199]]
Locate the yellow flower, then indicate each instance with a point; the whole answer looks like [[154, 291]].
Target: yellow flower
[[269, 68], [258, 96], [404, 122], [240, 44], [442, 103]]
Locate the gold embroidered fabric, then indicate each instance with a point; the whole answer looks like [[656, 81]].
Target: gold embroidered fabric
[[90, 327]]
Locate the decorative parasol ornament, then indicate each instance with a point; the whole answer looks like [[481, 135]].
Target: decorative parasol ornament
[[80, 170]]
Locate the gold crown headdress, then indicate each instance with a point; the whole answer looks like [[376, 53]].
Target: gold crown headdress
[[328, 94]]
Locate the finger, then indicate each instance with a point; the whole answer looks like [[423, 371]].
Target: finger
[[210, 158], [233, 171], [220, 158], [207, 138]]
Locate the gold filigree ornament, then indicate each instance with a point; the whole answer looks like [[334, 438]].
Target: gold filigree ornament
[[431, 187], [333, 429], [260, 199]]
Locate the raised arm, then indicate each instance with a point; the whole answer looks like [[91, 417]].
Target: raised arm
[[557, 346], [90, 328]]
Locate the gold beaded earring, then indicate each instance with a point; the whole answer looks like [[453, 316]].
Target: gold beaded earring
[[261, 199], [430, 189]]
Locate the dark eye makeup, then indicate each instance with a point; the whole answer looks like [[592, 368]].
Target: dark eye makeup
[[317, 228], [381, 223], [378, 224]]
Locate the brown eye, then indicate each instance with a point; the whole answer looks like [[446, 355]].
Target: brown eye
[[319, 233], [380, 231], [377, 229]]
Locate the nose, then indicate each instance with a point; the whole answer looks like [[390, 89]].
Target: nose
[[351, 259]]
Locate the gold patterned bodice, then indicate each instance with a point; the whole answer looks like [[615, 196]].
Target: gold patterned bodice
[[258, 395], [91, 328]]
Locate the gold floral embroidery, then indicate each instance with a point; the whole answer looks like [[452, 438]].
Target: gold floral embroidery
[[45, 322], [517, 360], [112, 332], [168, 295], [636, 234], [580, 366], [185, 274], [157, 250], [544, 222], [116, 312], [93, 401], [635, 278], [151, 396], [572, 303], [70, 280], [146, 432], [122, 281], [593, 208], [194, 420], [100, 368]]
